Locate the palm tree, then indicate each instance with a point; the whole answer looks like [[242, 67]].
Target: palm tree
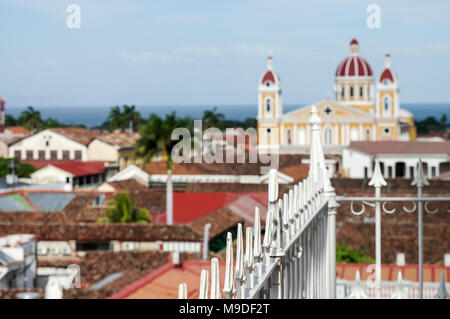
[[31, 118], [155, 138], [130, 116], [121, 209], [115, 117], [213, 119]]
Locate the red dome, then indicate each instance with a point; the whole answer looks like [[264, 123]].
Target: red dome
[[354, 66], [387, 75], [353, 42], [268, 77]]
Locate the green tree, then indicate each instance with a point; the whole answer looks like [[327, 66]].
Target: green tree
[[131, 117], [31, 118], [346, 255], [123, 118], [155, 138], [121, 209], [212, 118], [115, 118], [22, 169]]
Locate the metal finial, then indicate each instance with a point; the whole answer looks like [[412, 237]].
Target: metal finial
[[239, 254], [377, 178], [204, 284], [273, 185], [442, 292], [215, 283], [228, 288], [357, 290], [257, 251], [420, 179], [314, 119], [399, 292], [249, 262], [182, 291]]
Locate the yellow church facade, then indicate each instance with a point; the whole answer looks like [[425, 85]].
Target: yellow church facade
[[361, 110]]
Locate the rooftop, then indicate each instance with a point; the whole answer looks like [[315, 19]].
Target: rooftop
[[401, 148]]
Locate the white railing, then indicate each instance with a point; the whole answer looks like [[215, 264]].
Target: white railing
[[297, 258]]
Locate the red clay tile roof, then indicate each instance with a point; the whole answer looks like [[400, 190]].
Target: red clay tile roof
[[396, 147], [78, 134], [224, 168], [76, 168], [163, 282], [390, 272], [120, 139], [18, 130]]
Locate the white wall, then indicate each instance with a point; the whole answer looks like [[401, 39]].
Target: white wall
[[101, 151], [50, 174], [56, 142], [353, 163]]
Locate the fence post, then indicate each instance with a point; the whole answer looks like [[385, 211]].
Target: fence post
[[377, 181], [317, 163], [420, 181]]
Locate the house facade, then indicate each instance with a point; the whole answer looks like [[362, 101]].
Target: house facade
[[362, 110], [397, 159], [54, 144]]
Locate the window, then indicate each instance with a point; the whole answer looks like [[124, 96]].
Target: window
[[29, 155], [328, 136], [386, 82], [41, 155], [47, 143], [268, 105], [289, 137], [269, 131], [368, 134], [342, 91], [351, 91], [53, 155], [267, 83], [18, 154], [361, 91], [386, 104], [66, 155], [78, 155]]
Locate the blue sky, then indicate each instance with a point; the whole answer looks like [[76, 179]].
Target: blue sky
[[204, 52]]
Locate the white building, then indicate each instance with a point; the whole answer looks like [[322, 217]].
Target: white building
[[69, 143], [18, 261], [397, 159]]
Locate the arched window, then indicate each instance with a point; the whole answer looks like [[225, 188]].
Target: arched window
[[386, 105], [361, 91], [342, 91], [268, 105], [289, 136], [328, 136], [351, 91], [267, 83]]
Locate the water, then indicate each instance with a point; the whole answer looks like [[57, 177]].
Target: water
[[96, 115]]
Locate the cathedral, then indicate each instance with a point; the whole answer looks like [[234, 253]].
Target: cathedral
[[361, 110]]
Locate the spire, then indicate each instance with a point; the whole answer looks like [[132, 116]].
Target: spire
[[269, 63], [354, 48], [387, 61]]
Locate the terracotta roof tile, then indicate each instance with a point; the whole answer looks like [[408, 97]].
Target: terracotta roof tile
[[397, 147], [78, 134]]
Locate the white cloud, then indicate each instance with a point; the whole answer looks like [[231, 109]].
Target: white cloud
[[237, 53]]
